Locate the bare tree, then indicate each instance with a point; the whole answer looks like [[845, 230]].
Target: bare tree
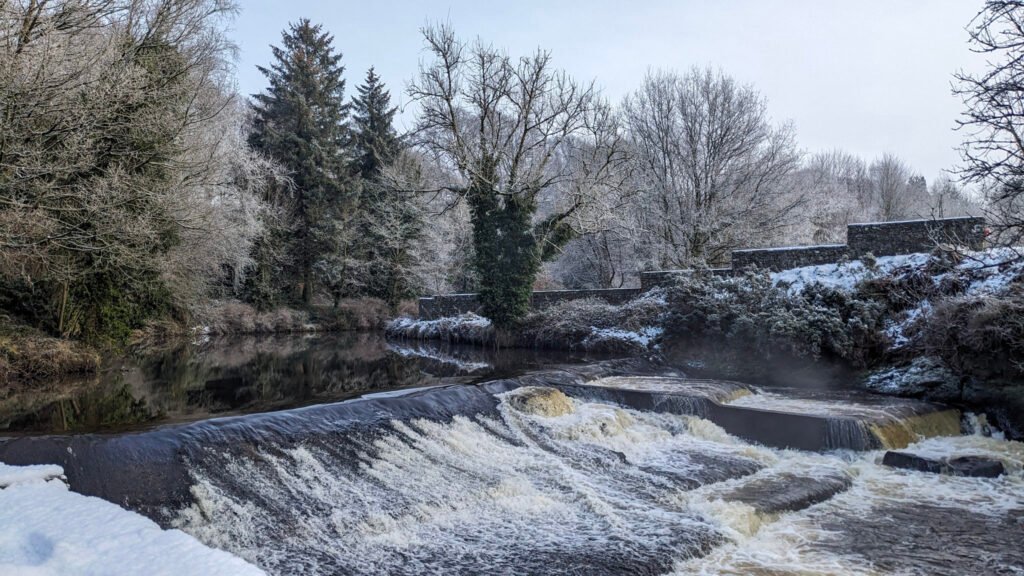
[[947, 199], [993, 122], [838, 191], [527, 147], [713, 167], [892, 195]]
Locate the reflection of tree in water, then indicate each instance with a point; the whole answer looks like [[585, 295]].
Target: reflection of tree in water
[[248, 374], [75, 406], [243, 374]]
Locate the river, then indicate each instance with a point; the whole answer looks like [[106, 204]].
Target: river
[[349, 454]]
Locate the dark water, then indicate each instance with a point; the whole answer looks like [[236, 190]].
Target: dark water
[[250, 374]]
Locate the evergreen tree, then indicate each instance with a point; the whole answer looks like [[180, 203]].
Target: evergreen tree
[[373, 116], [390, 219], [300, 122]]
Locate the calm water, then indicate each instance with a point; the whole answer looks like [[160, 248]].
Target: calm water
[[249, 374]]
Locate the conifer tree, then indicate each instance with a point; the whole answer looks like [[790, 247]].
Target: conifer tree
[[300, 122], [373, 116], [390, 219]]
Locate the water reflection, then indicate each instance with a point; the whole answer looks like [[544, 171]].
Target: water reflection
[[251, 374]]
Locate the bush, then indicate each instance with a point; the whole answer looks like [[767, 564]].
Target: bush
[[752, 316], [978, 336], [234, 317], [594, 324], [355, 314], [589, 324]]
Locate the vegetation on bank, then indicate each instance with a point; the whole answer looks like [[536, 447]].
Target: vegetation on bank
[[28, 354]]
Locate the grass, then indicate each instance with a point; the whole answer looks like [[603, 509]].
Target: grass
[[28, 355]]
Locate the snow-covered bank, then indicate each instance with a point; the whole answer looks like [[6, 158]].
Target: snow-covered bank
[[983, 272], [45, 529]]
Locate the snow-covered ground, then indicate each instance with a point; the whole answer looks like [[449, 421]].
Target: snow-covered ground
[[986, 270], [45, 529], [642, 338]]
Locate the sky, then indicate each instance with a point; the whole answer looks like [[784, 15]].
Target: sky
[[865, 76]]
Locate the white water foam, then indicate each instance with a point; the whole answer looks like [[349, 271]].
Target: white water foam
[[602, 489]]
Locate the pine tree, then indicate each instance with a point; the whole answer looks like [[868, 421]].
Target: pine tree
[[390, 219], [300, 122], [376, 142]]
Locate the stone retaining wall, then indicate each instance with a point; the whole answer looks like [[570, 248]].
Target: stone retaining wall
[[910, 236], [776, 259]]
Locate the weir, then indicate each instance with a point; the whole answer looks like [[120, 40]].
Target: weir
[[146, 471], [795, 422]]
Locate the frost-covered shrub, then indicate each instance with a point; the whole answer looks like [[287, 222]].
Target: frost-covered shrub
[[979, 336], [466, 328], [752, 315], [588, 324], [585, 323]]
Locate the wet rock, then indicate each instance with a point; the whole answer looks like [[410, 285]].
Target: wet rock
[[928, 539], [925, 376], [701, 469], [548, 402], [975, 466], [788, 492], [907, 461]]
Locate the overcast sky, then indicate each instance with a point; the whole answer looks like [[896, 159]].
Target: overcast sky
[[865, 76]]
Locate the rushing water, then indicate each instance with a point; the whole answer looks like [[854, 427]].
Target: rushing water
[[545, 473]]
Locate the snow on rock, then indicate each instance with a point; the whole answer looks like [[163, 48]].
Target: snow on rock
[[45, 529]]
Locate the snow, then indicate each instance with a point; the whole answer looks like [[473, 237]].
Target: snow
[[10, 475], [843, 275], [896, 331], [45, 529], [439, 328], [643, 337], [987, 271]]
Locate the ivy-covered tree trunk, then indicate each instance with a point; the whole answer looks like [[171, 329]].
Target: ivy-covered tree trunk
[[506, 256]]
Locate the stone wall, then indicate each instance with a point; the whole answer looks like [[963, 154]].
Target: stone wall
[[910, 236], [455, 304], [776, 259], [654, 278]]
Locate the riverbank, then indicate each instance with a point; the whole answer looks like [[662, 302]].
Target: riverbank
[[29, 355], [47, 529], [943, 326]]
